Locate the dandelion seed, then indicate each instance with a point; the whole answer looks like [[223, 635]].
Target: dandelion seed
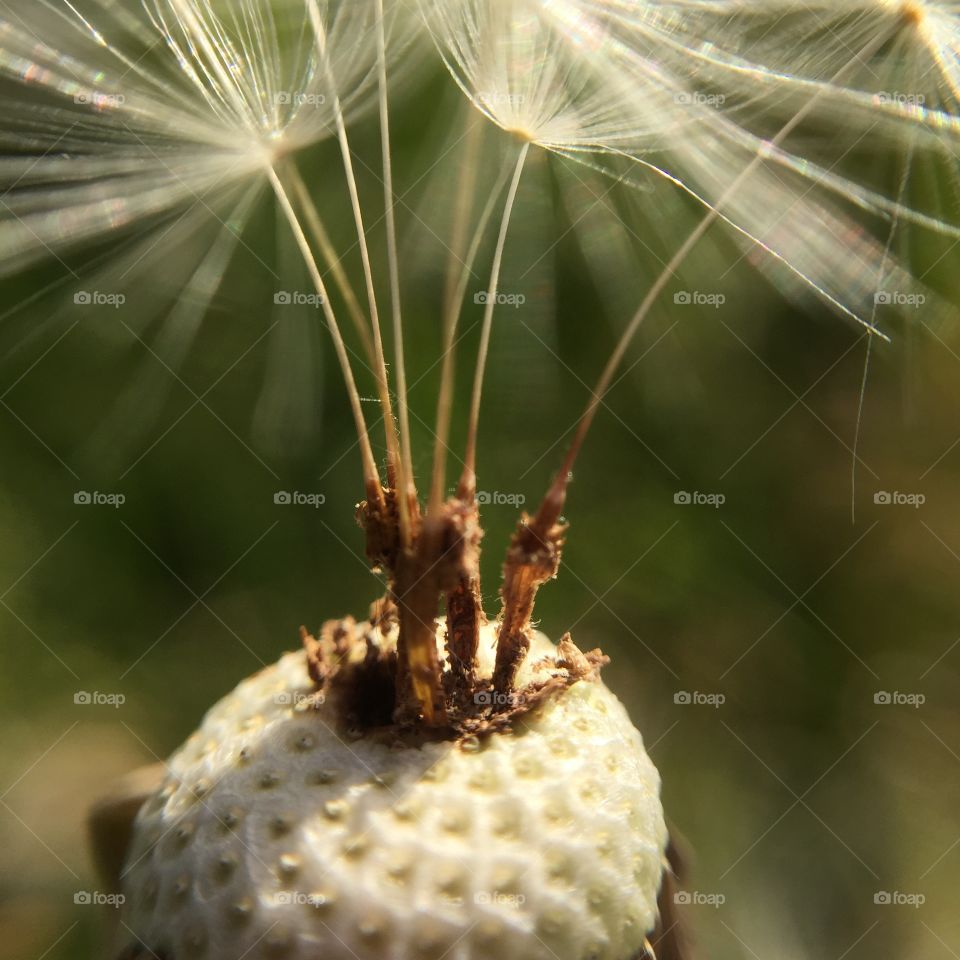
[[115, 131], [127, 120], [916, 73], [596, 80]]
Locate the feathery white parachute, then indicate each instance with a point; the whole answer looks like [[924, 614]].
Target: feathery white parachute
[[683, 90], [153, 127], [114, 113], [916, 68]]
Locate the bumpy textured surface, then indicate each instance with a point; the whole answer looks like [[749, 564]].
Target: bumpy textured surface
[[276, 836]]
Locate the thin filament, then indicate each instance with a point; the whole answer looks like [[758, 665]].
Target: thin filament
[[323, 241], [451, 310], [457, 289], [371, 479], [408, 492], [904, 179], [468, 477], [616, 358], [380, 361]]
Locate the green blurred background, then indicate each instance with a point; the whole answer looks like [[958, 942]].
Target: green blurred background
[[801, 798]]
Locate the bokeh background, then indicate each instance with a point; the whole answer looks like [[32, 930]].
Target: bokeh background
[[815, 769]]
